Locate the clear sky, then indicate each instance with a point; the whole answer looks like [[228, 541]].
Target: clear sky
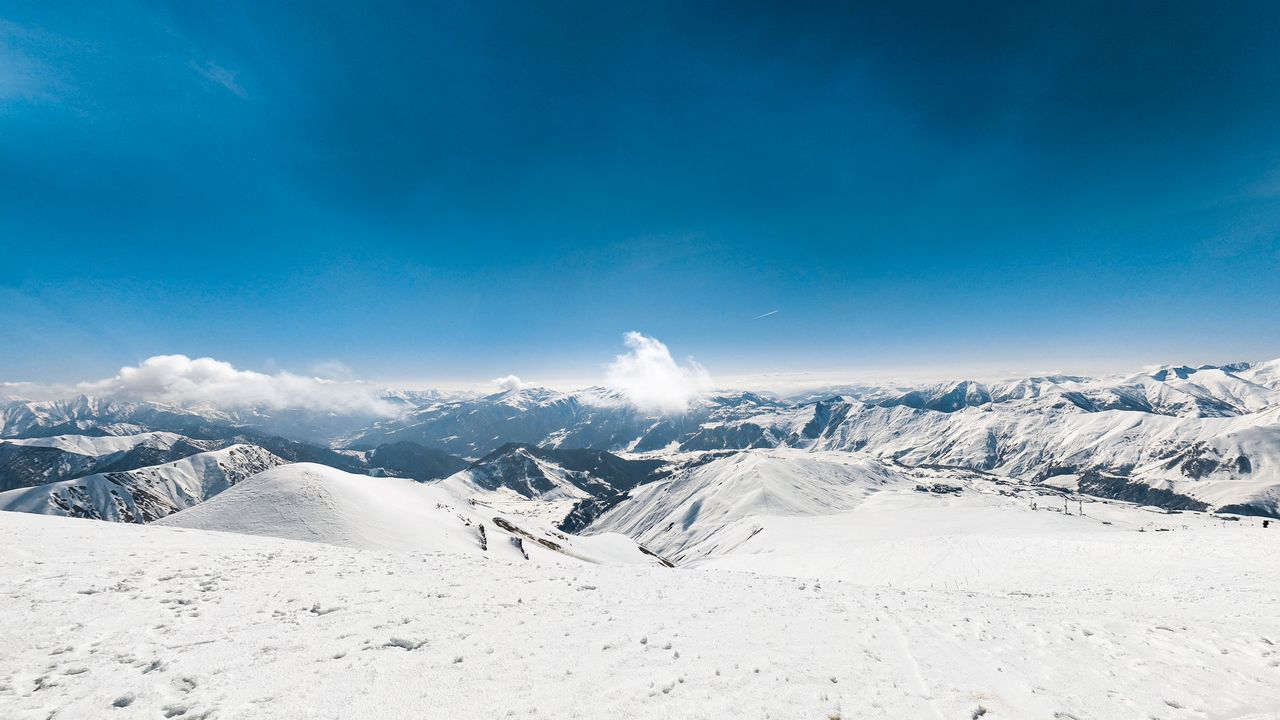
[[452, 190]]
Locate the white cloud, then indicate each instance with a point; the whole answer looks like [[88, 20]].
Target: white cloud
[[180, 380], [652, 381], [507, 383]]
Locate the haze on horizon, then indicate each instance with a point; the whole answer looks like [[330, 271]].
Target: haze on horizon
[[440, 196]]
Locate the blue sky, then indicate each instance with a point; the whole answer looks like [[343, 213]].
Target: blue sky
[[459, 190]]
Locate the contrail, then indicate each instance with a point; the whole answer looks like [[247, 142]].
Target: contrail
[[771, 312]]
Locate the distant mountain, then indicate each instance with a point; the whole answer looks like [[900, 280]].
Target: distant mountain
[[535, 472], [411, 460], [593, 480], [40, 460], [138, 478], [36, 461], [145, 494], [594, 418], [1177, 436], [87, 415]]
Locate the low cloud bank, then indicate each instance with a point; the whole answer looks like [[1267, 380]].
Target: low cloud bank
[[183, 381], [652, 380]]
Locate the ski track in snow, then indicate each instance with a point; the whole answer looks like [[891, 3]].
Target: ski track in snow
[[116, 621]]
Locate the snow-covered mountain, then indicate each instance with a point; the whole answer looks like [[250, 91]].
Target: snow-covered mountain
[[1176, 436], [595, 418], [1217, 461], [39, 460], [36, 461], [145, 494], [549, 473], [305, 501], [85, 415], [599, 419], [88, 415], [567, 487], [849, 516], [711, 507]]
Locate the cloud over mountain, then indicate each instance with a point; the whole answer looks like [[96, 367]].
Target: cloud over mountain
[[180, 380], [507, 383], [652, 380]]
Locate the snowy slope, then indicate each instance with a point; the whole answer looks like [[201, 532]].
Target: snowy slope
[[304, 501], [1266, 374], [120, 621], [144, 494], [712, 507], [853, 517]]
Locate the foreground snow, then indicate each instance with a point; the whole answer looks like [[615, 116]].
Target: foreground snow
[[123, 621]]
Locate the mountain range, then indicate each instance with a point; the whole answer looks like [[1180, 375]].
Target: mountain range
[[959, 549], [1177, 437]]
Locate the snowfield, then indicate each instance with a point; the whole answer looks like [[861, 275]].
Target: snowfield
[[106, 620]]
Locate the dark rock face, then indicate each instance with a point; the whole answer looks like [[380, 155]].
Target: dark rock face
[[406, 459], [1116, 487], [1257, 509]]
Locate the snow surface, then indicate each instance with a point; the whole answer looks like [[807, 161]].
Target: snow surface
[[109, 620]]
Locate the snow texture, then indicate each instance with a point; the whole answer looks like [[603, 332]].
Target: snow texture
[[110, 620]]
